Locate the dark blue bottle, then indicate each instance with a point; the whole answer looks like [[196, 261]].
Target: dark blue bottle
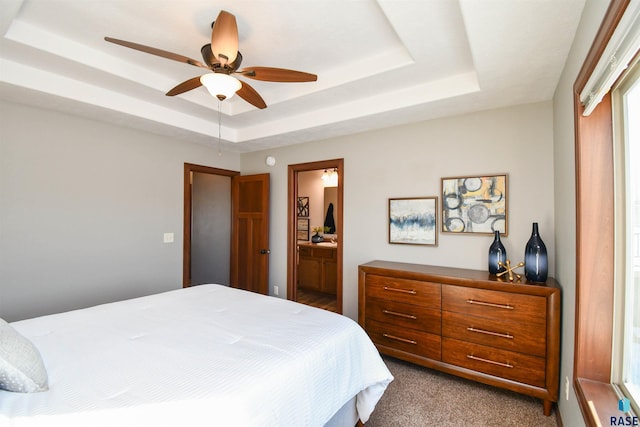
[[536, 265], [497, 253]]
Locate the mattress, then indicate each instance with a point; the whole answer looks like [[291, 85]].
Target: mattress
[[206, 355]]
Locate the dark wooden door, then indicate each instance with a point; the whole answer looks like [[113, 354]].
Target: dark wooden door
[[250, 233]]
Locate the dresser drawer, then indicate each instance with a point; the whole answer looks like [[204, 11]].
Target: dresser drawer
[[408, 340], [501, 363], [404, 315], [499, 305], [523, 337], [416, 292]]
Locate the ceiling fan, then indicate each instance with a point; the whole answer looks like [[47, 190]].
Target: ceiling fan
[[222, 57]]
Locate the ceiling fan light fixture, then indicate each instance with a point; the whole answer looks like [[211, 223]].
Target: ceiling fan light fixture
[[222, 86]]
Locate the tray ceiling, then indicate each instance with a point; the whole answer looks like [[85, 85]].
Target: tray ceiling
[[379, 63]]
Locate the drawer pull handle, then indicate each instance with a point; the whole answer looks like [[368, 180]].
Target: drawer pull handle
[[404, 291], [395, 313], [495, 334], [490, 304], [480, 359], [393, 337]]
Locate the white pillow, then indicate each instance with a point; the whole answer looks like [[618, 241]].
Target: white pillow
[[21, 366]]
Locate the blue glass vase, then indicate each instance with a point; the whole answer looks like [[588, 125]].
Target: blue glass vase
[[536, 265], [497, 253]]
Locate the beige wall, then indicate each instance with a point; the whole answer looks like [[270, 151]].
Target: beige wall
[[408, 161], [83, 209]]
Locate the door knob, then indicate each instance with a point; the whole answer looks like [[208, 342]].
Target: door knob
[[265, 251]]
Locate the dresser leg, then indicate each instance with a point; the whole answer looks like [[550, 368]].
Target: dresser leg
[[547, 406]]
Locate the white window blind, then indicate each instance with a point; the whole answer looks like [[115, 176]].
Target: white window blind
[[621, 49]]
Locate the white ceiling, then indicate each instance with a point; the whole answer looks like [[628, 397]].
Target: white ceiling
[[379, 62]]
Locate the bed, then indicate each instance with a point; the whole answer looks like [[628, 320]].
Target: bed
[[206, 355]]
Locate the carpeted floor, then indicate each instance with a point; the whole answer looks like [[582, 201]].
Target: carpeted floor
[[423, 397]]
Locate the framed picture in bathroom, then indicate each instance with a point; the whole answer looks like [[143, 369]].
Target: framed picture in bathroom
[[303, 229], [413, 221], [303, 207]]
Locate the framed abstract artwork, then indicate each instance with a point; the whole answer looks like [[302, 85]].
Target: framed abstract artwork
[[475, 204], [303, 207], [413, 221]]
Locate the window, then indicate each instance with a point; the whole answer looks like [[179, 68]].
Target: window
[[595, 219], [626, 110]]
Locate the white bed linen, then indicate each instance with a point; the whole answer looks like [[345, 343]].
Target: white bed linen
[[206, 355]]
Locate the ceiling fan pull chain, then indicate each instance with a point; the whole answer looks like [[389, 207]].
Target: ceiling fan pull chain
[[219, 127]]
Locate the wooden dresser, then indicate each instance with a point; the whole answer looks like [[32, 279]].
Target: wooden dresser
[[466, 323]]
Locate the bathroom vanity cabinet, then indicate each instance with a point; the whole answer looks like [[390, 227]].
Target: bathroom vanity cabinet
[[318, 267]]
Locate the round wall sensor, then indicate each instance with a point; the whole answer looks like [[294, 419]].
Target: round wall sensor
[[270, 160]]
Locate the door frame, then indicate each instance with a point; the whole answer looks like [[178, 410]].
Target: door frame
[[292, 206], [186, 229]]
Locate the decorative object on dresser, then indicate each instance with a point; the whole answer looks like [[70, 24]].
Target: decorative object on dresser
[[535, 258], [474, 204], [497, 255], [466, 323], [413, 220], [508, 270]]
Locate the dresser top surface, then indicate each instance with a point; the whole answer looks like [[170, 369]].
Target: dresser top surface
[[451, 275]]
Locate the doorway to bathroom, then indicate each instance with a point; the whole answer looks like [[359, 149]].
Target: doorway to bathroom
[[315, 219]]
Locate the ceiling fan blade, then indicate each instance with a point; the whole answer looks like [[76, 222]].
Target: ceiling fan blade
[[157, 52], [250, 95], [185, 86], [224, 38], [269, 74]]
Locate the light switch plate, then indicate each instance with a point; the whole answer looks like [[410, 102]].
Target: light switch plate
[[168, 237]]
